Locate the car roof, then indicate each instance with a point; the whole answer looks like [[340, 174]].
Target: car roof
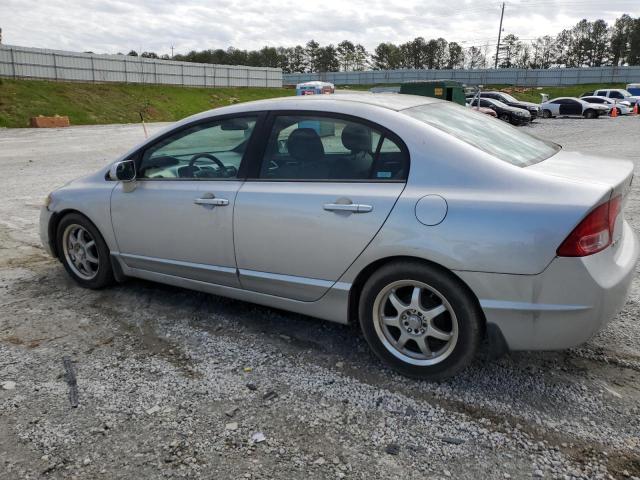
[[566, 98], [327, 102], [391, 101]]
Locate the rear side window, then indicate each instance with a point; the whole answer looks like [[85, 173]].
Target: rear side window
[[497, 138], [307, 147]]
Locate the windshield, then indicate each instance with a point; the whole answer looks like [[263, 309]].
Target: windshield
[[492, 136], [509, 97], [497, 103]]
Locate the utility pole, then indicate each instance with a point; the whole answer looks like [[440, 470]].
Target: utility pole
[[171, 52], [499, 34]]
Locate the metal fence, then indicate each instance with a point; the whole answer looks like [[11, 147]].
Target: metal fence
[[503, 76], [37, 63]]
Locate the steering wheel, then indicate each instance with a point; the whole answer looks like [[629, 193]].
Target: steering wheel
[[210, 157]]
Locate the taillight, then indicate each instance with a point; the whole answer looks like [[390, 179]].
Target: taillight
[[594, 233]]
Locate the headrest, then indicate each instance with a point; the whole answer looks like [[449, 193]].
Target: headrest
[[304, 144], [356, 138]]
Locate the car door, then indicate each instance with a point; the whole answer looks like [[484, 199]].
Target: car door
[[570, 107], [322, 190], [177, 217], [553, 107]]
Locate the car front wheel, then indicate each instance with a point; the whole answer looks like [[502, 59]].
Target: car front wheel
[[504, 117], [420, 320], [83, 252], [590, 114]]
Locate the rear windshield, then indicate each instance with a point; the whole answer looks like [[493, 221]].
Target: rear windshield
[[495, 137]]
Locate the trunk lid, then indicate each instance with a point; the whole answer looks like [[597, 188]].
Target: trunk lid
[[613, 174]]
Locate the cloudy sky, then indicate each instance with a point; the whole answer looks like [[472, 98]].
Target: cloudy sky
[[110, 26]]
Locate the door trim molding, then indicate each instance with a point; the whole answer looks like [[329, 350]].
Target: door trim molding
[[215, 274], [302, 288]]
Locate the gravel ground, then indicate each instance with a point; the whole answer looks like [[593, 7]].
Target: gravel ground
[[178, 384]]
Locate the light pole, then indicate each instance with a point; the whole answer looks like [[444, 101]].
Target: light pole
[[499, 34]]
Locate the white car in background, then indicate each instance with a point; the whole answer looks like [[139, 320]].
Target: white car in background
[[623, 107], [618, 94], [571, 106]]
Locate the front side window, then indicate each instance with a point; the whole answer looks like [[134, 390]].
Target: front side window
[[499, 139], [206, 151], [616, 95], [307, 147]]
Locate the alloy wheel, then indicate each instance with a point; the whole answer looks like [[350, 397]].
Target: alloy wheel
[[415, 322], [80, 251]]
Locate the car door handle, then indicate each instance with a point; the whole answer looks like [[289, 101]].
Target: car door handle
[[216, 202], [347, 207]]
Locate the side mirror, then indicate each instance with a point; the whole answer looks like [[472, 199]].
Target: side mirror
[[124, 171]]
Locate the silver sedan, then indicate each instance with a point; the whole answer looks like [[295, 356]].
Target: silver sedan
[[429, 225], [571, 106]]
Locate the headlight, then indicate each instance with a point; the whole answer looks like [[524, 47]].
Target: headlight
[[520, 113], [47, 201]]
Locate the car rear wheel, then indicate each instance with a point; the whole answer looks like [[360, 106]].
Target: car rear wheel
[[420, 320], [590, 114], [546, 114], [83, 252]]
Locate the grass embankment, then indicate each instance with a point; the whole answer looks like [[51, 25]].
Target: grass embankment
[[89, 104], [529, 94]]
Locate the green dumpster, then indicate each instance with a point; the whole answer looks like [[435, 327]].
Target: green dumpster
[[444, 89]]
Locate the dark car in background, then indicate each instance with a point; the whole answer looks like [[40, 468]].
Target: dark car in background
[[513, 115], [532, 108]]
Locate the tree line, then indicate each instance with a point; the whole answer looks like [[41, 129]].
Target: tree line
[[586, 44]]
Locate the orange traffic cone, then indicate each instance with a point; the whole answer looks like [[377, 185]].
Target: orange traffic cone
[[635, 109], [614, 112]]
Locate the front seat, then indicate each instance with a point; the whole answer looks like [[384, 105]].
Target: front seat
[[356, 139], [305, 148]]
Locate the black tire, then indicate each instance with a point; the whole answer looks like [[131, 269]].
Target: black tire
[[546, 113], [504, 117], [470, 323], [104, 275], [590, 114]]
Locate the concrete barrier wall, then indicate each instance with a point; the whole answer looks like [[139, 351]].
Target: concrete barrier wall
[[503, 76], [38, 63]]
